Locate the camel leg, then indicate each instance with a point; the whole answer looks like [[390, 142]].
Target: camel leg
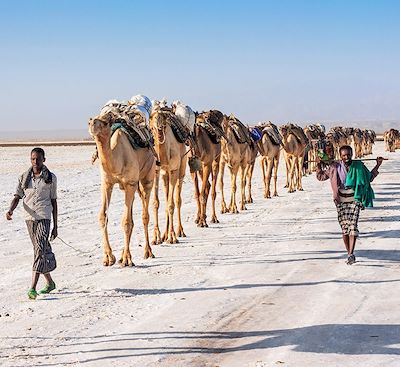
[[243, 187], [276, 164], [203, 197], [106, 190], [195, 178], [232, 206], [178, 199], [288, 165], [292, 168], [263, 164], [299, 177], [166, 179], [269, 164], [249, 175], [156, 206], [214, 177], [224, 208], [173, 178], [127, 224], [146, 190]]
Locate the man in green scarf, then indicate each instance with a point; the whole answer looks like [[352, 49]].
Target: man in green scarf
[[350, 181]]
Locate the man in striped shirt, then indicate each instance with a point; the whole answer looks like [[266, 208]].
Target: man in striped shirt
[[347, 207], [37, 187]]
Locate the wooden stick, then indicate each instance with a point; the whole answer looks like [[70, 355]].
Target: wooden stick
[[338, 160]]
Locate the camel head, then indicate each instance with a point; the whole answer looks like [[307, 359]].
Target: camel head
[[284, 130], [159, 118], [101, 125]]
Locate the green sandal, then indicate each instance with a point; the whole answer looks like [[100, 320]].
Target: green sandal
[[48, 288], [32, 294]]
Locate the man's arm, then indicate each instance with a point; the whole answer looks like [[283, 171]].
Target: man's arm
[[375, 171], [322, 174], [13, 205], [54, 232]]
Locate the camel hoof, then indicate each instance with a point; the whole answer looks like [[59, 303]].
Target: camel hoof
[[214, 220], [109, 260], [125, 263], [301, 189], [276, 194], [148, 255]]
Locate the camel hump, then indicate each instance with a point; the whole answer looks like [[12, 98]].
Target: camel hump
[[299, 134]]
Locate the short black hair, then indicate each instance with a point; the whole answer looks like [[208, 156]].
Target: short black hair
[[346, 147], [38, 150]]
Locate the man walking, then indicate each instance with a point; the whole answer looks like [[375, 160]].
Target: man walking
[[350, 181], [38, 189]]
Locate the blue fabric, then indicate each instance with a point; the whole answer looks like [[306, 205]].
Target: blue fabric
[[359, 179], [256, 134]]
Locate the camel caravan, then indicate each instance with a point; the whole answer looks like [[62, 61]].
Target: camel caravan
[[140, 141], [391, 138]]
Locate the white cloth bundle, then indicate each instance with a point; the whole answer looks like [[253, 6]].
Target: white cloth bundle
[[115, 107], [185, 115], [159, 103], [140, 106]]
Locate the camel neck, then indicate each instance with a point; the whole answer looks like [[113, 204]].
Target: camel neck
[[105, 153]]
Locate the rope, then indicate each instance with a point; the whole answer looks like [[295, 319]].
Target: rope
[[75, 249]]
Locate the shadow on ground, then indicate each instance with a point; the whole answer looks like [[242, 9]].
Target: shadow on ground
[[349, 339]]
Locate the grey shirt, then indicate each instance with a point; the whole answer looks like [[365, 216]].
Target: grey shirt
[[37, 197]]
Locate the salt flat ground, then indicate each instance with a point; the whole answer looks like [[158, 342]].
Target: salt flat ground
[[265, 287]]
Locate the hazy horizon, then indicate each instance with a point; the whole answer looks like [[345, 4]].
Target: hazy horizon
[[82, 134], [305, 60]]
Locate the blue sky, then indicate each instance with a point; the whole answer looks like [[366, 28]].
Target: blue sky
[[300, 61]]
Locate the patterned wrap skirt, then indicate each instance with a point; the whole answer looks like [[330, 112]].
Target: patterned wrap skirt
[[44, 260], [348, 214]]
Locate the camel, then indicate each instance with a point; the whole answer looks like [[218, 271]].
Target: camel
[[172, 156], [338, 137], [392, 140], [208, 151], [294, 144], [270, 150], [316, 136], [132, 169], [358, 141], [238, 157], [368, 141]]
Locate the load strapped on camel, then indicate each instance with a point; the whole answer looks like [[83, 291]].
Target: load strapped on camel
[[211, 122], [132, 118], [272, 131], [241, 132]]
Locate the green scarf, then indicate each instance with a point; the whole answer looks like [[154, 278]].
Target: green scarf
[[358, 178]]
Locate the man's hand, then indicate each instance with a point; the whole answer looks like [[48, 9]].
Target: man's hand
[[379, 161], [54, 234], [9, 215]]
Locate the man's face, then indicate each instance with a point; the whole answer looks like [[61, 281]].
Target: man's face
[[345, 155], [37, 160]]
